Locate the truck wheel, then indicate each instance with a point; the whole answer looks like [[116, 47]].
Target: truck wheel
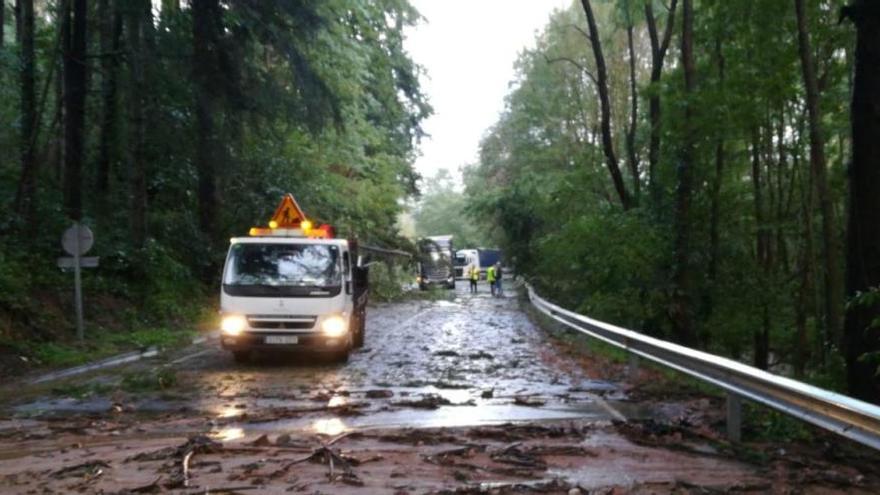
[[241, 356], [342, 356]]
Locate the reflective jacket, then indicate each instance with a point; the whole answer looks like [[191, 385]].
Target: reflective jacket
[[490, 274], [473, 273]]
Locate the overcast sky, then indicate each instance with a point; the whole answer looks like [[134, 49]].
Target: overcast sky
[[468, 48]]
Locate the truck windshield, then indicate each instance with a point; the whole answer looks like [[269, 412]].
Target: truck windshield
[[275, 267]]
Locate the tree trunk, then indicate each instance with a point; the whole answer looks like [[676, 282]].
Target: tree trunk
[[862, 337], [658, 54], [682, 299], [206, 16], [833, 289], [716, 183], [111, 30], [26, 194], [805, 286], [605, 107], [762, 252], [633, 159], [138, 180], [2, 21], [75, 108]]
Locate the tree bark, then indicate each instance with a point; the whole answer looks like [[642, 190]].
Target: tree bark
[[605, 107], [658, 54], [632, 157], [111, 31], [762, 252], [75, 108], [137, 179], [26, 193], [716, 183], [206, 16], [715, 207], [833, 288], [682, 299], [861, 335]]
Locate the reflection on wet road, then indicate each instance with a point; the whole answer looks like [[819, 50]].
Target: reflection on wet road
[[457, 362]]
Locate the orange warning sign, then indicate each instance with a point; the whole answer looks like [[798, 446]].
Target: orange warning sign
[[288, 215]]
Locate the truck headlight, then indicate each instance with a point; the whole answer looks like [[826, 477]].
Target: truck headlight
[[334, 326], [233, 324]]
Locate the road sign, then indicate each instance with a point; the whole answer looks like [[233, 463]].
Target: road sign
[[77, 240], [85, 262], [288, 215]]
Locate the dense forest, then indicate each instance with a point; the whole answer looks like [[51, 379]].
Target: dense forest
[[681, 168], [703, 171], [168, 127]]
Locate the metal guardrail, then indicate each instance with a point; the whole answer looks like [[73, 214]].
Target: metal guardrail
[[845, 416]]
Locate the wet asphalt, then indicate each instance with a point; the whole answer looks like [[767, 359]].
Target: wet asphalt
[[455, 359]]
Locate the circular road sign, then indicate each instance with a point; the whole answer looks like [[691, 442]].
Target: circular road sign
[[69, 240]]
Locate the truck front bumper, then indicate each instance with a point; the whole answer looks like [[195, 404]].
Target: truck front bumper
[[308, 342]]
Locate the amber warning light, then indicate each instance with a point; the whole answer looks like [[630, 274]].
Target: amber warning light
[[290, 221]]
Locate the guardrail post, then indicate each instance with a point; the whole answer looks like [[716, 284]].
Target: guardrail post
[[734, 417]]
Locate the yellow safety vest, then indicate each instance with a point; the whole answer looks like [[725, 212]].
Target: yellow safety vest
[[490, 274], [474, 273]]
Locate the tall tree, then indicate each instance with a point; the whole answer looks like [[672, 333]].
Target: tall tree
[[207, 29], [74, 106], [26, 193], [135, 24], [605, 107], [110, 24], [862, 335], [659, 47], [632, 157], [818, 167], [682, 298]]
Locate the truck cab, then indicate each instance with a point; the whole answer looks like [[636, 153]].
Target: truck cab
[[289, 288], [436, 262]]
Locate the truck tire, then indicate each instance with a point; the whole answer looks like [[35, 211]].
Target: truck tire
[[241, 357]]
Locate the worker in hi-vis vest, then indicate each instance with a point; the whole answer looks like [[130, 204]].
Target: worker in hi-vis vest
[[473, 276], [490, 277]]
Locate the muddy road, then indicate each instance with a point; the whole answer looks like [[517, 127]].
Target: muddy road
[[457, 395]]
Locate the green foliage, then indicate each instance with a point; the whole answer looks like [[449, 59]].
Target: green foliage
[[767, 425], [387, 281], [543, 192]]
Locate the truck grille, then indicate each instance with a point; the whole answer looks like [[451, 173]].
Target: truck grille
[[282, 322]]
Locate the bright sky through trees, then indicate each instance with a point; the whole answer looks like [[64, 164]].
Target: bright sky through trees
[[468, 49]]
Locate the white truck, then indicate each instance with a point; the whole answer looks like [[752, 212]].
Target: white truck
[[482, 258], [292, 286]]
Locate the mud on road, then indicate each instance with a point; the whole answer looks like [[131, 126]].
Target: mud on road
[[458, 395]]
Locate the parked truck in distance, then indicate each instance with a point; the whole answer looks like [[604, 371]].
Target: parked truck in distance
[[482, 258], [436, 262]]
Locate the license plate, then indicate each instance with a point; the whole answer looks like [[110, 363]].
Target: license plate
[[281, 339]]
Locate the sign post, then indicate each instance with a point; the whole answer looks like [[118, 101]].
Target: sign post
[[76, 241]]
